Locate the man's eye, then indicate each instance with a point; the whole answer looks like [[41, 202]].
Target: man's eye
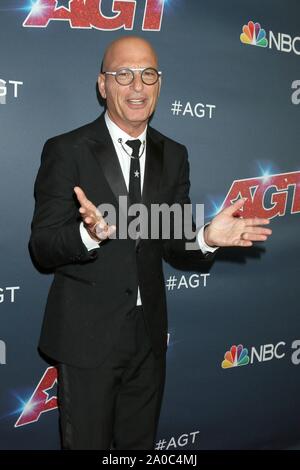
[[149, 74], [123, 74]]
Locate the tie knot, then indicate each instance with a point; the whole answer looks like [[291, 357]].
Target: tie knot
[[135, 145]]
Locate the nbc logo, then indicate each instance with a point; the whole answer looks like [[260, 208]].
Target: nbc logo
[[253, 34], [240, 356], [235, 357]]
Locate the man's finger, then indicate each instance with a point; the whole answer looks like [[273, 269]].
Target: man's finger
[[235, 206], [105, 232], [86, 204], [111, 230], [244, 243], [258, 230], [254, 237], [83, 200], [253, 221], [81, 195]]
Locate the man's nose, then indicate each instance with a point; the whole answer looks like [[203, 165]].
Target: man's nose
[[137, 83]]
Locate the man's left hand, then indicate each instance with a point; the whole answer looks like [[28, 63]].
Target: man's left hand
[[228, 230]]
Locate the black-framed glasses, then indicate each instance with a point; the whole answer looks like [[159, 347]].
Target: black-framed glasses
[[125, 76]]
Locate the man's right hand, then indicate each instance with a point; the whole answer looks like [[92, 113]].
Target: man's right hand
[[95, 224]]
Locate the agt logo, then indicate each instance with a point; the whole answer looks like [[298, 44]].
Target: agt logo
[[254, 35], [7, 294], [40, 401], [87, 14], [9, 88], [267, 196], [239, 356]]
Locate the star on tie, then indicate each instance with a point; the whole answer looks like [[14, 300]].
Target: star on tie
[[137, 174]]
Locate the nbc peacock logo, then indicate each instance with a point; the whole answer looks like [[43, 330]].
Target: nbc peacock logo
[[235, 357], [254, 35]]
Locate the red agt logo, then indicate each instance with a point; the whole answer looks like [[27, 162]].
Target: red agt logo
[[267, 196], [40, 402], [88, 14]]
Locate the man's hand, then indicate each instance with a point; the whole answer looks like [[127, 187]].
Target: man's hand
[[95, 224], [228, 230]]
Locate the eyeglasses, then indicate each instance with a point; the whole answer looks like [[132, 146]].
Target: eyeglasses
[[125, 76]]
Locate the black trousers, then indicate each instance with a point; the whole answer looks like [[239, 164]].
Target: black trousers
[[116, 405]]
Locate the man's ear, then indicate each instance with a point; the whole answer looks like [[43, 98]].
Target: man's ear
[[101, 85]]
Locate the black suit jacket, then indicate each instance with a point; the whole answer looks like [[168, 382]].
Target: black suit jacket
[[92, 291]]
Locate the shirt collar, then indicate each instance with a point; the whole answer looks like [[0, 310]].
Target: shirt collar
[[116, 132]]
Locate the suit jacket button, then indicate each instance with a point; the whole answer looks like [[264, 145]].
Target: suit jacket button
[[128, 291]]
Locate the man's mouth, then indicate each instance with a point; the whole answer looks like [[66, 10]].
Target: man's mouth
[[136, 102]]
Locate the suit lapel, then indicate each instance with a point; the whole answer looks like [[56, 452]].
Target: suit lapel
[[103, 149], [153, 168], [152, 175]]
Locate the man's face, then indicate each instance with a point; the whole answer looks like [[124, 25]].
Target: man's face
[[130, 106]]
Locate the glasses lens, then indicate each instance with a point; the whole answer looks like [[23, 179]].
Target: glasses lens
[[124, 76], [150, 76]]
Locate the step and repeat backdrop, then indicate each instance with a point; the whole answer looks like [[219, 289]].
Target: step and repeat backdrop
[[231, 94]]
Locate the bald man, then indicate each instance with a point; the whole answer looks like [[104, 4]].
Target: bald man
[[105, 322]]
